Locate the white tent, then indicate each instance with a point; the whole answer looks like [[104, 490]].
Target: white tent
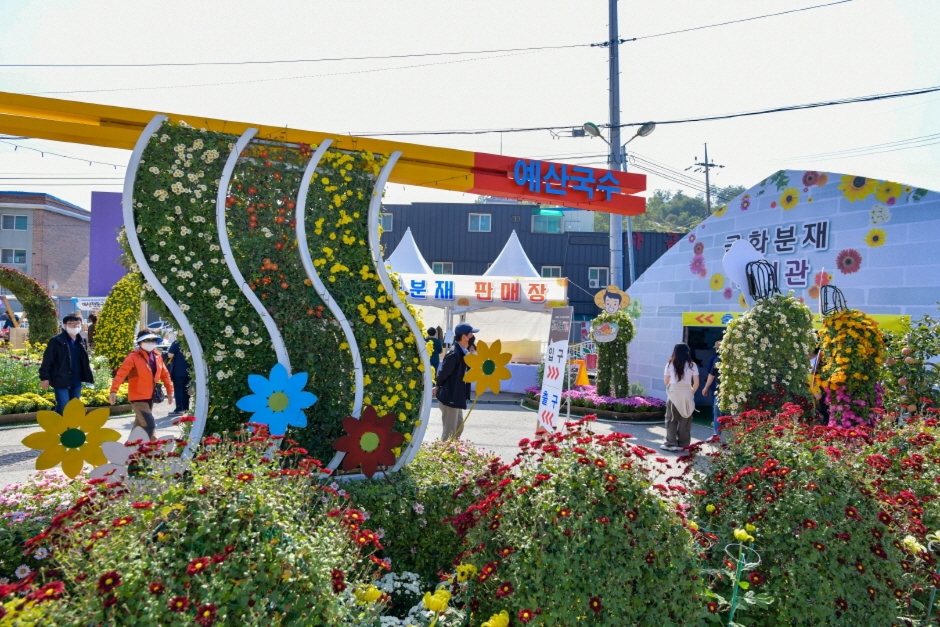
[[512, 261], [407, 259]]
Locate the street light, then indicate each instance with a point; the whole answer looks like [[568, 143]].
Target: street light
[[621, 161]]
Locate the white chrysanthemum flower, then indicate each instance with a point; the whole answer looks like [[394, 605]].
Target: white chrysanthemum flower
[[154, 169], [154, 257]]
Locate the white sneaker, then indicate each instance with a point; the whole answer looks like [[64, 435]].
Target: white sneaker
[[666, 447]]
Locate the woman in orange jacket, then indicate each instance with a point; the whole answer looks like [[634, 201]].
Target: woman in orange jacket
[[143, 369]]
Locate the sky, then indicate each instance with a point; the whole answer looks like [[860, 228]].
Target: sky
[[856, 48]]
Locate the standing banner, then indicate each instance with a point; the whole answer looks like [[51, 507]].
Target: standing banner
[[555, 371]]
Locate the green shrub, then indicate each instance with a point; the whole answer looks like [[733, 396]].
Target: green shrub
[[239, 540], [829, 552], [575, 533], [410, 508]]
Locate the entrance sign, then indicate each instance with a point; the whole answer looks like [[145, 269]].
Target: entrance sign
[[555, 371], [477, 292]]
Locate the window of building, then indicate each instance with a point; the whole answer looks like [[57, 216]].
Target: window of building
[[442, 267], [598, 277], [551, 272], [480, 222], [387, 220], [572, 225], [547, 224], [13, 223], [12, 255]]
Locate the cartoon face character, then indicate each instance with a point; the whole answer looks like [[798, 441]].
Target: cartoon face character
[[612, 302]]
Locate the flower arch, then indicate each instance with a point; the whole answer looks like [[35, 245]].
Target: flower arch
[[39, 307]]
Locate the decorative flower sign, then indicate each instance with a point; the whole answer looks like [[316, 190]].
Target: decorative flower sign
[[369, 442], [71, 439], [119, 455], [487, 367], [278, 400]]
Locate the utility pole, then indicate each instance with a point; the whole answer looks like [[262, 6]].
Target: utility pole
[[706, 166], [616, 220]]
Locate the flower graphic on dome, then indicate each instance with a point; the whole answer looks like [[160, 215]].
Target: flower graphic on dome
[[369, 441], [720, 211], [487, 367], [745, 202], [698, 265], [717, 282], [790, 198], [876, 237], [888, 192], [71, 439], [880, 215], [278, 400], [849, 261], [822, 278], [728, 293], [813, 291], [857, 187]]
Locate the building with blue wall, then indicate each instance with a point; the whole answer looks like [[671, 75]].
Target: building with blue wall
[[464, 238]]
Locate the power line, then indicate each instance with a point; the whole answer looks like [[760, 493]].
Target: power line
[[403, 56], [901, 144], [270, 80], [747, 19], [56, 154], [812, 105]]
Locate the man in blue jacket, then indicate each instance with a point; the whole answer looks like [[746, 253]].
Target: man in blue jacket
[[65, 364], [451, 391]]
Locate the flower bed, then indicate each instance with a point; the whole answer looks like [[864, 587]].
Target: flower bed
[[586, 397]]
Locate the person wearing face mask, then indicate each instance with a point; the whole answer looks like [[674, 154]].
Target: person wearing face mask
[[65, 364], [451, 390], [143, 369]]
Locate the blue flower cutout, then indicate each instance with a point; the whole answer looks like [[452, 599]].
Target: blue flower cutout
[[279, 400]]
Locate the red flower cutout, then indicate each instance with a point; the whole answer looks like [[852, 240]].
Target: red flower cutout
[[370, 441]]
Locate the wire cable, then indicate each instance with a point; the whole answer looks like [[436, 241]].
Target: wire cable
[[56, 154]]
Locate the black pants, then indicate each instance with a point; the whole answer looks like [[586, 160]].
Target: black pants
[[181, 393]]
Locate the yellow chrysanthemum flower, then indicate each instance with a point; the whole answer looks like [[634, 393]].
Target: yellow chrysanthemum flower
[[71, 439], [876, 237], [487, 367], [438, 601], [498, 620]]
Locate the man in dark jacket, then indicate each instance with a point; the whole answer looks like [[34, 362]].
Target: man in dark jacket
[[451, 391], [179, 372], [65, 364]]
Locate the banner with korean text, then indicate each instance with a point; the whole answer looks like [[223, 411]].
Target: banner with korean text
[[477, 292], [555, 368]]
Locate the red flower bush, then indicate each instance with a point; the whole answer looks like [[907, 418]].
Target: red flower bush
[[574, 522]]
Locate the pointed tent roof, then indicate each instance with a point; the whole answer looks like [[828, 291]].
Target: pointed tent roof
[[512, 261], [407, 258]]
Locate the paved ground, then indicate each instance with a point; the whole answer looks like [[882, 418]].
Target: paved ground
[[494, 426]]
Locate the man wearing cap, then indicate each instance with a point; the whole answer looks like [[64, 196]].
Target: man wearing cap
[[65, 364], [143, 369], [451, 391]]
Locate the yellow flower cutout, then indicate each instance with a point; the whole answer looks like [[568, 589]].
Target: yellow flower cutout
[[876, 237], [72, 438], [487, 367], [887, 191], [717, 282], [790, 198], [857, 187], [741, 301]]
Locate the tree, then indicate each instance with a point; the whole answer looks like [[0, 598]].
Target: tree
[[672, 212]]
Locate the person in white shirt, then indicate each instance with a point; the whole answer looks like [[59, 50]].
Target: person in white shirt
[[681, 379]]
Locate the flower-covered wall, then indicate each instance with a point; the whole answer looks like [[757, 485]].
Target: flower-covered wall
[[265, 253], [874, 239]]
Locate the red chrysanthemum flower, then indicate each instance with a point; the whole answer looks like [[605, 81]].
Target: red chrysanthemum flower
[[218, 558], [143, 505], [108, 582], [596, 605], [842, 604], [123, 520], [600, 463], [525, 615], [809, 523], [110, 601], [851, 512], [884, 518], [49, 592], [564, 512], [712, 607], [369, 442], [631, 515], [487, 571], [246, 476], [198, 565], [755, 578], [178, 604], [506, 551], [205, 615], [819, 546], [879, 551], [504, 590], [157, 588], [860, 568]]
